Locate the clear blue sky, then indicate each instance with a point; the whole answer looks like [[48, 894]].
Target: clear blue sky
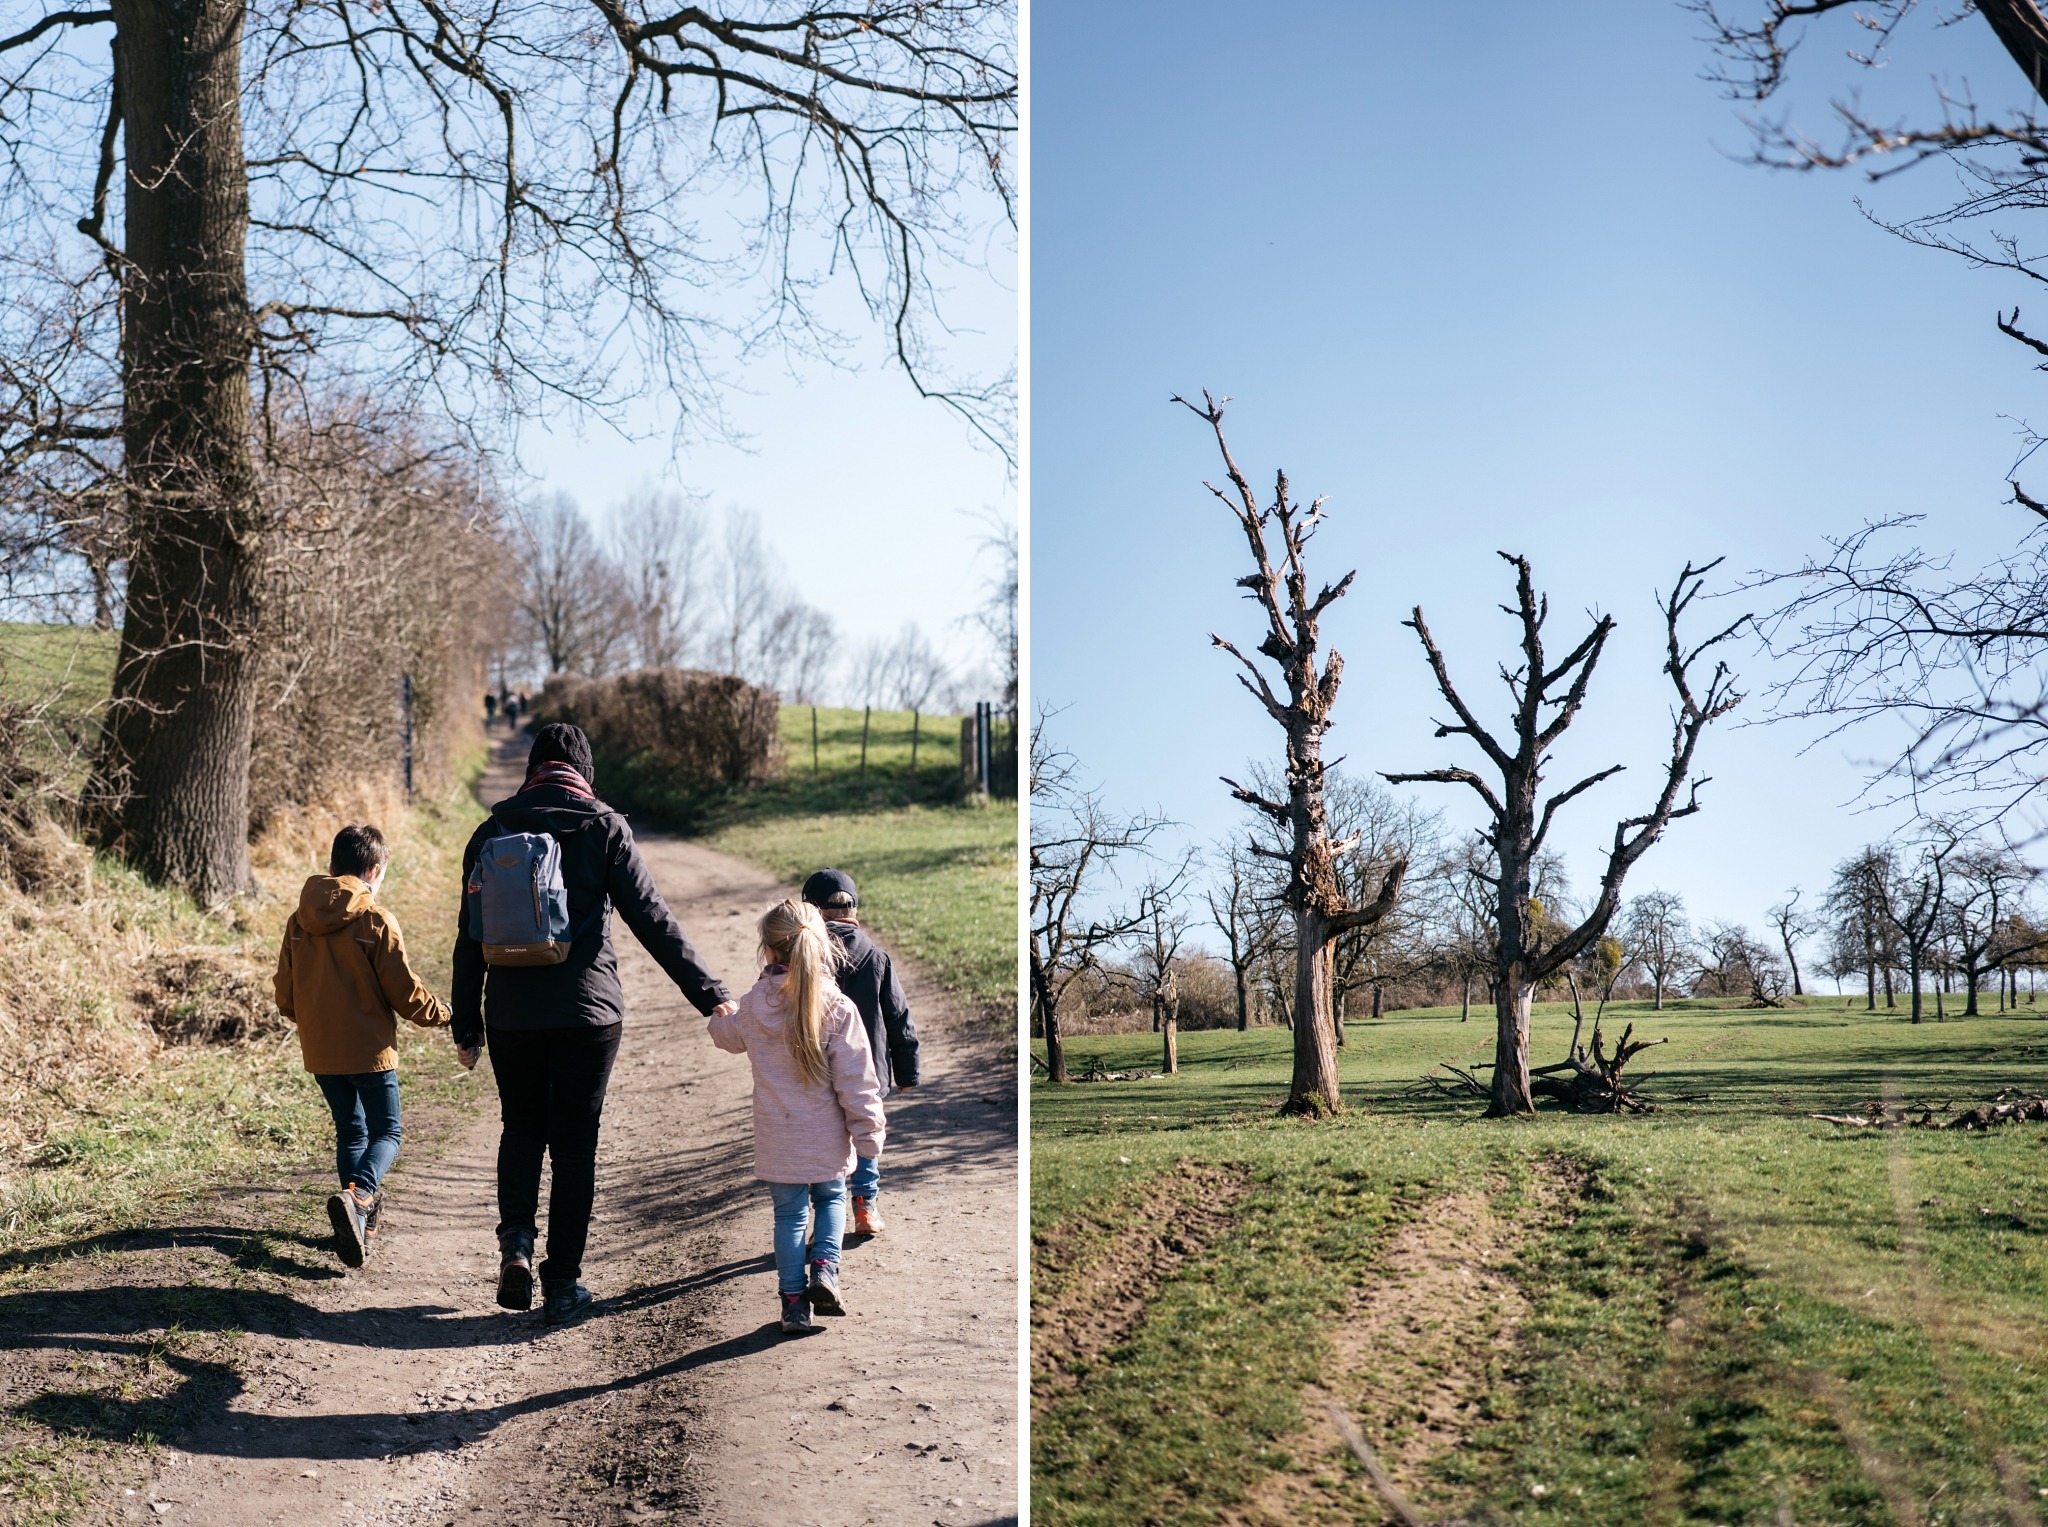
[[1490, 276]]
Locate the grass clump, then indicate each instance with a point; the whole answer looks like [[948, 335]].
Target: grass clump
[[1749, 1315]]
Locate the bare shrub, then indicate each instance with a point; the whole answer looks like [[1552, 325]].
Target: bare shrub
[[389, 560], [694, 729]]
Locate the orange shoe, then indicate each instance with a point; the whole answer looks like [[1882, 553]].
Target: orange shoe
[[867, 1218]]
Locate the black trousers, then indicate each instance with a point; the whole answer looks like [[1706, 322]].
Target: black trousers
[[551, 1085]]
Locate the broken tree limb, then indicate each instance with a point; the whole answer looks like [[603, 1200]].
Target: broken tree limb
[[1385, 1488]]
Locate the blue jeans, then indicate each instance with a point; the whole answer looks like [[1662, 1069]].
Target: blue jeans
[[794, 1202], [365, 1109], [866, 1180]]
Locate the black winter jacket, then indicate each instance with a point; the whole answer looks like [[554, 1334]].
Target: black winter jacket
[[868, 977], [598, 861]]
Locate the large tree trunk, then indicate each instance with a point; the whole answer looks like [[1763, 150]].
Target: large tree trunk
[[1510, 1093], [1244, 1009], [1170, 1045], [1314, 1090], [1465, 1000], [1913, 975], [1658, 1005], [174, 770]]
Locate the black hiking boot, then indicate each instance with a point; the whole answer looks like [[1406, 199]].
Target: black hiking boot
[[515, 1269], [563, 1302], [824, 1289], [796, 1314], [345, 1212]]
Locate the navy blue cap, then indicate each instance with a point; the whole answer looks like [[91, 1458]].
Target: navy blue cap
[[827, 886]]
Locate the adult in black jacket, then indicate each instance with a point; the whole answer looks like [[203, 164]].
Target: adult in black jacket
[[553, 1030], [867, 976]]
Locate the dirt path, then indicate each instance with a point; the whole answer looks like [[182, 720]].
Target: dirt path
[[283, 1392]]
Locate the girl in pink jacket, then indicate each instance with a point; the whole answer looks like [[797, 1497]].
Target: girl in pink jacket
[[817, 1105]]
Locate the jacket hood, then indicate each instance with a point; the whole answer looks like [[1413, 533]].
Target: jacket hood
[[329, 903]]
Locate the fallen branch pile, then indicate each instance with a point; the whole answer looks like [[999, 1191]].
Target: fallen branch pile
[[1095, 1072], [1588, 1080], [2009, 1107]]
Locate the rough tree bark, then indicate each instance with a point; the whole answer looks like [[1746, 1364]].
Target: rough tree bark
[[1520, 821], [1315, 894], [175, 771]]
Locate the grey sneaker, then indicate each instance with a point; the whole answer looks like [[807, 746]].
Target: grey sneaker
[[345, 1212], [796, 1315], [824, 1289]]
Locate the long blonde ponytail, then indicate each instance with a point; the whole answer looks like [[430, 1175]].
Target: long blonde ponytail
[[794, 933]]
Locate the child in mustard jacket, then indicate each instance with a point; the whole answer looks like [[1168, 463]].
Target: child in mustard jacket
[[342, 977]]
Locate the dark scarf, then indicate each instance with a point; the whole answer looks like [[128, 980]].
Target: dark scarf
[[561, 774]]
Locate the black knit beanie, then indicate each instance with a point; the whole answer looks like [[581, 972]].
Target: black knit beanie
[[562, 742]]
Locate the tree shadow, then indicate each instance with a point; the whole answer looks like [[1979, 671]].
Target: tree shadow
[[247, 1249], [198, 1410]]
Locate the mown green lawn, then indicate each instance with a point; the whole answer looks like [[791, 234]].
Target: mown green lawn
[[1861, 1317]]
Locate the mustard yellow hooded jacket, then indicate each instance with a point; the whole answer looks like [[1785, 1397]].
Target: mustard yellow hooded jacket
[[342, 977]]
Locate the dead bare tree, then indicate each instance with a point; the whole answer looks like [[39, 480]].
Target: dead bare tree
[[1076, 841], [1794, 924], [1315, 893], [660, 542], [1231, 910], [1859, 907], [478, 212], [575, 603], [1546, 700], [1917, 907], [1163, 927], [1985, 885], [1659, 937]]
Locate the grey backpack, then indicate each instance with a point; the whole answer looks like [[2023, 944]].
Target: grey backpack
[[518, 907]]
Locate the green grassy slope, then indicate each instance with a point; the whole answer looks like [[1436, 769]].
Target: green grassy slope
[[1839, 1296], [937, 874], [74, 662]]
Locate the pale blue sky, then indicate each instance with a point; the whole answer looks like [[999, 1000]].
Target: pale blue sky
[[874, 498], [1490, 276]]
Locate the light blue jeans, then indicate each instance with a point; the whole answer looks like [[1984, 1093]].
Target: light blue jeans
[[794, 1203], [866, 1180]]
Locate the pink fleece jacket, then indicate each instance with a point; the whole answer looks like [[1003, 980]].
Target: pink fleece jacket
[[805, 1131]]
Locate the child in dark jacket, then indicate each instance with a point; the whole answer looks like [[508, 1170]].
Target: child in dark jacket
[[868, 976], [343, 978]]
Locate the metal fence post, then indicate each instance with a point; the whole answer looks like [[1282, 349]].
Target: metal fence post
[[405, 728], [983, 773]]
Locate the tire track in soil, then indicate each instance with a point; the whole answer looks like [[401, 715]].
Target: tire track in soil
[[1415, 1357], [401, 1396], [1175, 1216]]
